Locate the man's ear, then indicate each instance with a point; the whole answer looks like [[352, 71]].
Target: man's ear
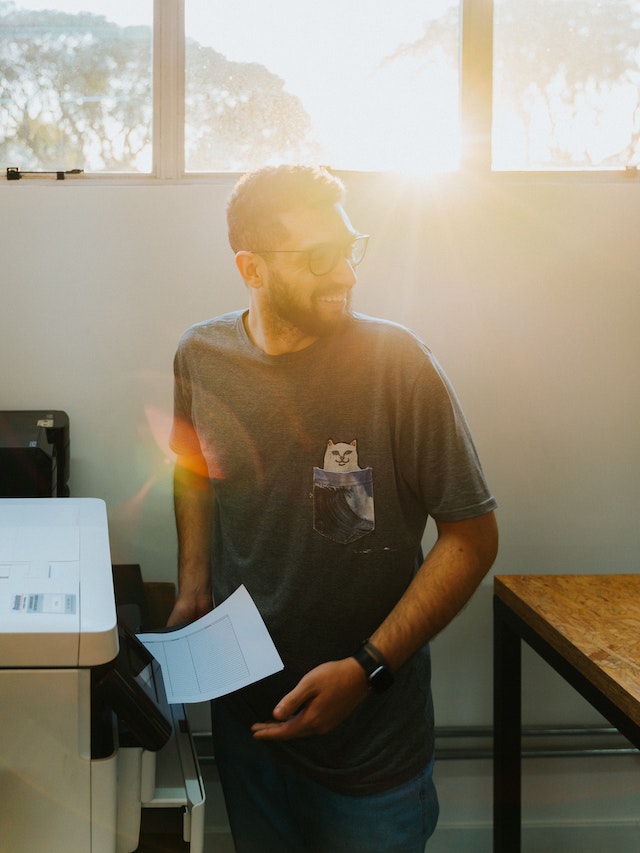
[[251, 267]]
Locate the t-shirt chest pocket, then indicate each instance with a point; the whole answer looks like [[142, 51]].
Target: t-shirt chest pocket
[[343, 508]]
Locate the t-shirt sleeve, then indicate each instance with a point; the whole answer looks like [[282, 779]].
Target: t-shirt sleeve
[[183, 439], [445, 466]]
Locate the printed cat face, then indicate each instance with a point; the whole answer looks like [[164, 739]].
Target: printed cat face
[[341, 457]]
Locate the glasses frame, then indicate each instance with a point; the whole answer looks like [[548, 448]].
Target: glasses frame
[[346, 251]]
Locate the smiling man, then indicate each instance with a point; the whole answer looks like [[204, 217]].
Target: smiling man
[[302, 287], [313, 444]]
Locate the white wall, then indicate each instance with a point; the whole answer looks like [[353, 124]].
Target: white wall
[[527, 290]]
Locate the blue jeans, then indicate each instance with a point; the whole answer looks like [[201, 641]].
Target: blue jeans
[[274, 809]]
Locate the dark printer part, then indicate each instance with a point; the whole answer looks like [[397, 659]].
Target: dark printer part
[[34, 454], [132, 687]]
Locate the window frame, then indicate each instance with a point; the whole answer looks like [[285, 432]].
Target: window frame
[[475, 105], [168, 87]]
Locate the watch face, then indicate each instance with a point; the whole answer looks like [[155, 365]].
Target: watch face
[[381, 679]]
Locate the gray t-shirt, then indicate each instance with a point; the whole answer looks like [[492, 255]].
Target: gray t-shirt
[[326, 464]]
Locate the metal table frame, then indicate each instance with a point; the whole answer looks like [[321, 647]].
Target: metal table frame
[[509, 630]]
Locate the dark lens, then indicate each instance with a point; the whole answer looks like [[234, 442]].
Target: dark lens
[[323, 259]]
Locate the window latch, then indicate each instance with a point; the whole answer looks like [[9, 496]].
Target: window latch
[[14, 173]]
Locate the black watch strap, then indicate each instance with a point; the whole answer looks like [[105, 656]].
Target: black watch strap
[[375, 666]]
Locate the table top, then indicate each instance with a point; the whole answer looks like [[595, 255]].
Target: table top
[[593, 621]]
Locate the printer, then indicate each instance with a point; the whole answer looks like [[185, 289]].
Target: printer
[[87, 740], [34, 454]]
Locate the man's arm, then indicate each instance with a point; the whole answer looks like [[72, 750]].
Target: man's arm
[[462, 555], [194, 501]]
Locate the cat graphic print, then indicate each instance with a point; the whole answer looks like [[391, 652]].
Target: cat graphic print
[[343, 509]]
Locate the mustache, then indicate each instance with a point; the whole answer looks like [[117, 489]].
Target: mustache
[[327, 290]]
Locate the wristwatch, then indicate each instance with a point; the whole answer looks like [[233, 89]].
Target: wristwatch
[[375, 666]]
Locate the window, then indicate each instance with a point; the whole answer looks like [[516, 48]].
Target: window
[[183, 87], [75, 86], [566, 84], [358, 84], [351, 84]]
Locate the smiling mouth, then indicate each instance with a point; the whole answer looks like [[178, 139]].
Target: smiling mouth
[[335, 298]]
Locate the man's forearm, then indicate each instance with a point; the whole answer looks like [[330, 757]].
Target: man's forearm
[[462, 555], [194, 502], [447, 579]]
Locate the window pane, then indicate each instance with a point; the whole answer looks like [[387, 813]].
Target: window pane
[[355, 84], [566, 84], [75, 85]]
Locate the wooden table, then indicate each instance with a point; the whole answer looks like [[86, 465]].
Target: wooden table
[[588, 628]]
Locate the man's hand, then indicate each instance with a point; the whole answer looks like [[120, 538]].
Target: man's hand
[[186, 610], [322, 699]]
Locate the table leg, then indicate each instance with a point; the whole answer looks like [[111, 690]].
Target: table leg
[[507, 720]]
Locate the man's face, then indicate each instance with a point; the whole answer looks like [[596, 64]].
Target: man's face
[[315, 304]]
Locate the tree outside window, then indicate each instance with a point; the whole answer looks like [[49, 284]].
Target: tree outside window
[[76, 91]]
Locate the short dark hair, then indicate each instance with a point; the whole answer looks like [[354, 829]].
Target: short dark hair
[[259, 197]]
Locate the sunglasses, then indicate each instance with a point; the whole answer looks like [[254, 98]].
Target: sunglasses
[[325, 257]]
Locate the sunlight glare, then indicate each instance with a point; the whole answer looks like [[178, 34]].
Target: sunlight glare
[[378, 100]]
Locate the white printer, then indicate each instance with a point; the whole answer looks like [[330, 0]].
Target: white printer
[[71, 680]]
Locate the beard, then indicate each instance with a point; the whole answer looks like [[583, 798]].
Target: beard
[[307, 318]]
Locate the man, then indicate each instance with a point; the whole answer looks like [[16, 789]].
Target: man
[[313, 443]]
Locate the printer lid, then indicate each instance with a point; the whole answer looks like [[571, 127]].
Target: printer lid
[[57, 606]]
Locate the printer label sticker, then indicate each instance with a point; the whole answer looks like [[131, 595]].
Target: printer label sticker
[[45, 602]]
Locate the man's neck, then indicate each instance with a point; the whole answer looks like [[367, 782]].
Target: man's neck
[[275, 336]]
